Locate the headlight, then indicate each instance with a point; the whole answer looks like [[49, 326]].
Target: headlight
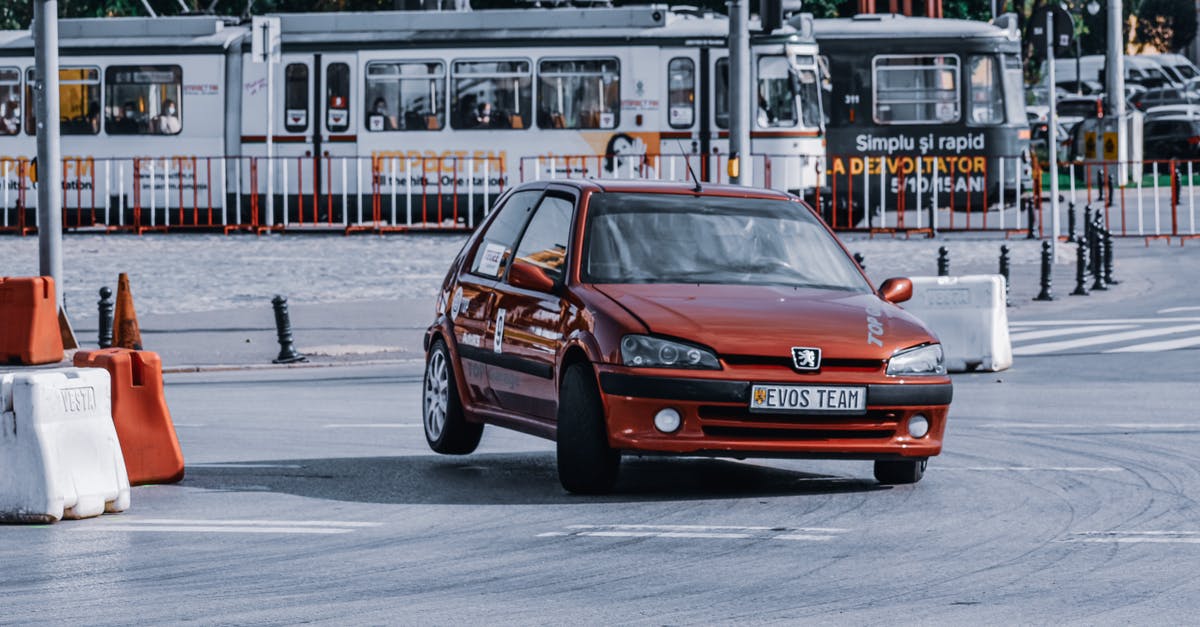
[[922, 360], [644, 351]]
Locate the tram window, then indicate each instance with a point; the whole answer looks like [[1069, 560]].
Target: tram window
[[10, 101], [295, 98], [405, 96], [721, 93], [776, 98], [681, 93], [579, 93], [916, 89], [492, 94], [143, 100], [1014, 90], [78, 101], [337, 97], [986, 95]]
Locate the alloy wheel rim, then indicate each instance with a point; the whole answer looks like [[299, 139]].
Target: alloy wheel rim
[[437, 393]]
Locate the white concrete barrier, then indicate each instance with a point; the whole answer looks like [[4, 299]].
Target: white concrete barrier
[[969, 316], [59, 453]]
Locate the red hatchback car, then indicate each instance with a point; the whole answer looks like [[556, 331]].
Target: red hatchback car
[[623, 316]]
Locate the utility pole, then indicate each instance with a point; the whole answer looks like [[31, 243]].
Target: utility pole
[[741, 97], [1052, 130], [1115, 81], [49, 209]]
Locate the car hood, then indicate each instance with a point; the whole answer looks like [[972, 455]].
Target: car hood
[[764, 320]]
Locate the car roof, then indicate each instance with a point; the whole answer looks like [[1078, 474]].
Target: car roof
[[1175, 117], [660, 187]]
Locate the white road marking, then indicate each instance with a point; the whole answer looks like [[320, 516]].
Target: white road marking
[[214, 529], [181, 525], [1034, 468], [251, 523], [1108, 338], [376, 425], [1044, 333], [1136, 537], [1176, 310], [1132, 426], [1154, 347], [699, 532], [237, 465], [1055, 323]]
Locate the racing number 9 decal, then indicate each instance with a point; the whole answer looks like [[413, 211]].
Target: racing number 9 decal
[[498, 339]]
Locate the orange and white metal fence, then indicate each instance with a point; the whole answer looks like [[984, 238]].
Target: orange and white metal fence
[[229, 193]]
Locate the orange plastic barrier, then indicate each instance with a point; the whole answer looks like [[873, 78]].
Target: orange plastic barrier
[[139, 409], [29, 331]]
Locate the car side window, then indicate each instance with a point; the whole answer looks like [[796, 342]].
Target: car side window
[[494, 252], [545, 241]]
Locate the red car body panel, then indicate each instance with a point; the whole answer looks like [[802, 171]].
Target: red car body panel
[[751, 328]]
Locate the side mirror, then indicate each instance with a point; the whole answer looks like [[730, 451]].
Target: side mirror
[[527, 276], [896, 290]]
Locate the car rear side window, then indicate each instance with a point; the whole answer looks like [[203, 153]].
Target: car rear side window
[[544, 243], [495, 249]]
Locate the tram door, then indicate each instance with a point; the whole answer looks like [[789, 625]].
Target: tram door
[[715, 139], [684, 123], [316, 141]]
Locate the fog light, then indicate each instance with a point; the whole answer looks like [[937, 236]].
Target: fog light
[[918, 426], [667, 420]]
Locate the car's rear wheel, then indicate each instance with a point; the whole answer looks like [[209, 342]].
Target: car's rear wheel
[[900, 472], [446, 429], [586, 463]]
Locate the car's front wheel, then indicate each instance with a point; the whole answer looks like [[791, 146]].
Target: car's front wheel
[[586, 463], [900, 472], [446, 429]]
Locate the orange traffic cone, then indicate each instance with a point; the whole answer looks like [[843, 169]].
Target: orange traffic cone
[[125, 325]]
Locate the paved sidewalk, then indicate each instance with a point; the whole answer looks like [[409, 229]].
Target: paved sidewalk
[[364, 327]]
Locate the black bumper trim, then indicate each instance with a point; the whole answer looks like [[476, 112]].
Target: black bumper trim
[[716, 391]]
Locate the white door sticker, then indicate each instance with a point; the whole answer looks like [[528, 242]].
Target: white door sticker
[[498, 340], [493, 254]]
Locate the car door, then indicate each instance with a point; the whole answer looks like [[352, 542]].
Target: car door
[[528, 324], [473, 299]]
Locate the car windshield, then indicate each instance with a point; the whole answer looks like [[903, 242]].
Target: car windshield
[[677, 238]]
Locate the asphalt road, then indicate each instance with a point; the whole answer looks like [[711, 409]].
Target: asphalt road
[[1067, 493]]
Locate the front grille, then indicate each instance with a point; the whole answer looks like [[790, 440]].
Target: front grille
[[755, 433], [738, 422], [828, 363]]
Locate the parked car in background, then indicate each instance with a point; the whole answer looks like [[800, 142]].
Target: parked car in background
[[1174, 137], [1139, 70], [1072, 109], [1177, 65], [1170, 111], [1040, 138], [1165, 96]]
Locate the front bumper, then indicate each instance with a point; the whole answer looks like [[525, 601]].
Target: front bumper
[[717, 419]]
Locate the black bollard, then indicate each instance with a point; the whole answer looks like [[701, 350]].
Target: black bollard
[[1097, 253], [106, 306], [1046, 268], [1080, 270], [1032, 221], [283, 327], [943, 261], [858, 258], [1071, 223], [1109, 182], [1100, 183], [1004, 272], [1108, 258]]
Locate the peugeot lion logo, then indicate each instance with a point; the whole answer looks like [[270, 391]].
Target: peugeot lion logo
[[805, 358]]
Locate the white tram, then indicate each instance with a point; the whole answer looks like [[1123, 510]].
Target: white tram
[[397, 118]]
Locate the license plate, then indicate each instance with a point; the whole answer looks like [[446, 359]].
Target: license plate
[[809, 398]]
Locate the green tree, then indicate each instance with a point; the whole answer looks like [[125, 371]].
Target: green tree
[[1168, 25]]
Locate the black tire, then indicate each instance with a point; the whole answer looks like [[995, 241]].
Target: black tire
[[586, 464], [900, 472], [446, 429]]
